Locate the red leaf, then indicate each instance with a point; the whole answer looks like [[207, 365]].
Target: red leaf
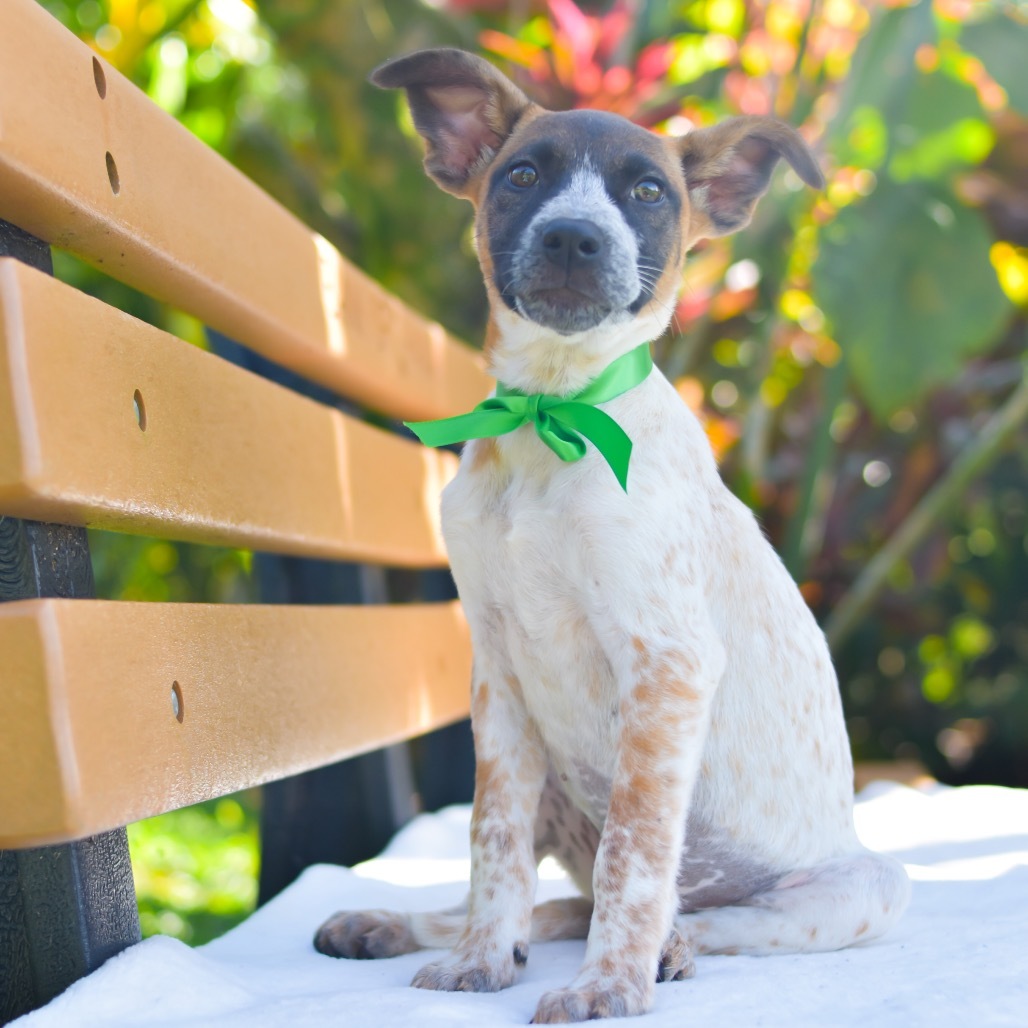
[[654, 61], [578, 28], [612, 29]]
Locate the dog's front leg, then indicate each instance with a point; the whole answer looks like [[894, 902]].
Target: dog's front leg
[[509, 777], [664, 712]]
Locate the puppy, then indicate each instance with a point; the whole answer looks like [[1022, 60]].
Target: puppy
[[653, 703]]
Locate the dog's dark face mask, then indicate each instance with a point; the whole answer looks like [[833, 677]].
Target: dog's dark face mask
[[582, 215]]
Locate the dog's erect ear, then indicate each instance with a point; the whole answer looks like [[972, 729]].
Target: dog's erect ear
[[728, 167], [462, 106]]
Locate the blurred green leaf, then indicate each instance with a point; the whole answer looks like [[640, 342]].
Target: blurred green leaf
[[867, 142], [905, 279], [883, 71], [195, 869], [964, 142], [941, 126], [1001, 44]]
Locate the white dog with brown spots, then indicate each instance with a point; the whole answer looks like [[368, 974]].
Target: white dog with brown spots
[[653, 702]]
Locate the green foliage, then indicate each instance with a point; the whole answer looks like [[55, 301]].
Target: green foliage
[[138, 568], [195, 870], [1001, 44], [928, 297]]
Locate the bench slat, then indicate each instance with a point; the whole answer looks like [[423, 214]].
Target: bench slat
[[119, 182], [89, 739], [226, 457]]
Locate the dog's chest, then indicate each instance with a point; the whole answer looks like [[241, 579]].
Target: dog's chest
[[522, 555]]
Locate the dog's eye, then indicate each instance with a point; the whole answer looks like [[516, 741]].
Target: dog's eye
[[648, 191], [522, 175]]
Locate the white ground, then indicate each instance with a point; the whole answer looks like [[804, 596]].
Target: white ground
[[959, 957]]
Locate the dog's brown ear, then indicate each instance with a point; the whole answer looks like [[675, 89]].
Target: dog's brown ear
[[728, 167], [462, 106]]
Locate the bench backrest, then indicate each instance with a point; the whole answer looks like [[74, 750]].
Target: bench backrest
[[115, 711]]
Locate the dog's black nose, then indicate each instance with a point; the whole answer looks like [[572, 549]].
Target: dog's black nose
[[571, 241]]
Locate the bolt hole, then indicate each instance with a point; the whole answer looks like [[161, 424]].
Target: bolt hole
[[99, 78], [112, 174], [137, 406], [178, 707]]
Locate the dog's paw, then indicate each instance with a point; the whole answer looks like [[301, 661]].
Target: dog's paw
[[465, 974], [589, 1002], [676, 959], [365, 935]]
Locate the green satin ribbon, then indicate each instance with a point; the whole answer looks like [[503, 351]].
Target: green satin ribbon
[[563, 423]]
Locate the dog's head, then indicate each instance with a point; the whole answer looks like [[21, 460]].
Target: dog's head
[[583, 219]]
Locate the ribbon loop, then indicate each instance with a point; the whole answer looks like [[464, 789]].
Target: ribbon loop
[[563, 423], [564, 442]]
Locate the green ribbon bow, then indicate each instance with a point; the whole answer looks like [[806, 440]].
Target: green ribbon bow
[[563, 423]]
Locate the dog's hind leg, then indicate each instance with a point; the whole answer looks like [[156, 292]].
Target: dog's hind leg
[[374, 934], [827, 907], [561, 831]]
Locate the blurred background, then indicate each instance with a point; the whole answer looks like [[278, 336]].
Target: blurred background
[[857, 357]]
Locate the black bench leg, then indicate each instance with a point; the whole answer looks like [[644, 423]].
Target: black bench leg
[[63, 909]]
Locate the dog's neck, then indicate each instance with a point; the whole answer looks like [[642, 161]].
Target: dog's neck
[[534, 359]]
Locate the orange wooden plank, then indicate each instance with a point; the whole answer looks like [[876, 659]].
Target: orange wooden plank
[[225, 456], [118, 181], [90, 739]]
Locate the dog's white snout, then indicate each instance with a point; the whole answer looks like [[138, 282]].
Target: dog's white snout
[[567, 242]]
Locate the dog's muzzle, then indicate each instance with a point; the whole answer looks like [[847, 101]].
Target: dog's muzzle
[[570, 278]]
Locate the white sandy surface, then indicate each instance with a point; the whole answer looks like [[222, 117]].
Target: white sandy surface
[[959, 957]]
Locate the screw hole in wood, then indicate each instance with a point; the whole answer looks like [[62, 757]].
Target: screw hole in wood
[[112, 174], [140, 409], [99, 78], [178, 707]]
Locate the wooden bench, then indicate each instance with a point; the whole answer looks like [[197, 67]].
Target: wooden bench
[[115, 711]]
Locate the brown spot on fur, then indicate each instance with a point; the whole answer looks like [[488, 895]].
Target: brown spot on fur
[[812, 932], [561, 919], [475, 938], [515, 687], [480, 700], [862, 929], [492, 804], [484, 454], [669, 558], [640, 826], [485, 260]]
